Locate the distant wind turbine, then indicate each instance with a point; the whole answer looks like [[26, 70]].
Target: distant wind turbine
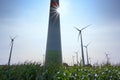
[[43, 59], [80, 34], [90, 59], [73, 59], [107, 57], [12, 42], [77, 57], [86, 46]]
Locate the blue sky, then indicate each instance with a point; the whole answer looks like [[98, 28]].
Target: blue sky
[[28, 19]]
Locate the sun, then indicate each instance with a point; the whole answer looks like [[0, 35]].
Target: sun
[[58, 10]]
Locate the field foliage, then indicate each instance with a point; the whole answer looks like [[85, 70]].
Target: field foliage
[[34, 71]]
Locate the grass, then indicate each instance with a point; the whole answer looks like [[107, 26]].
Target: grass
[[34, 71]]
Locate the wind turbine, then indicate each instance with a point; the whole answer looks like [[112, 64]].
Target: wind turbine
[[43, 59], [90, 59], [107, 57], [80, 34], [73, 59], [86, 46], [77, 57], [12, 42]]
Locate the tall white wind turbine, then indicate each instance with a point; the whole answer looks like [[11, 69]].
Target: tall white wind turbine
[[80, 34]]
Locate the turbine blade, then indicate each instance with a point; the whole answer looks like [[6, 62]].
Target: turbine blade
[[86, 27], [15, 37], [79, 35], [84, 46], [10, 37], [77, 29], [10, 43], [88, 43]]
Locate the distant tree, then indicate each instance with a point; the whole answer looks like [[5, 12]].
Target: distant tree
[[65, 64]]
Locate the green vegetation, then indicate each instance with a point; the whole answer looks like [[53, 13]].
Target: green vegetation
[[34, 71]]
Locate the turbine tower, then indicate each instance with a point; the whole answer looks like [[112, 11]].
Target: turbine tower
[[53, 48], [12, 42], [80, 34], [86, 46]]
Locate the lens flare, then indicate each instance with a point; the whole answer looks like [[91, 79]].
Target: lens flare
[[58, 10]]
